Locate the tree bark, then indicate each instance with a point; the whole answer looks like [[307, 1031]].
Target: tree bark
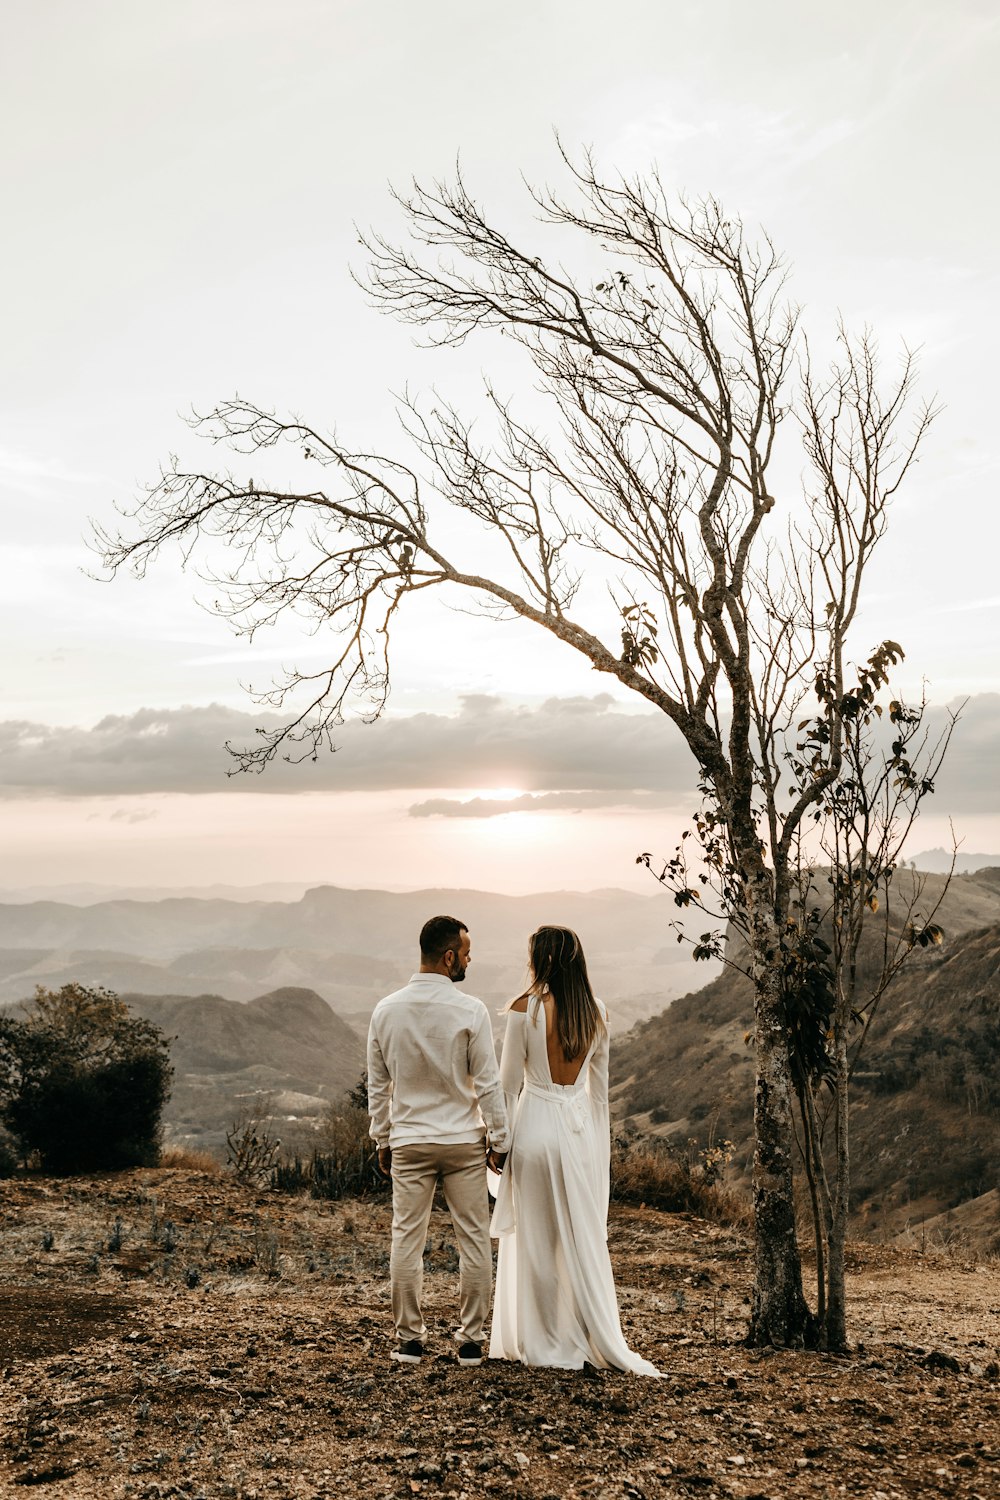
[[779, 1313], [835, 1330], [819, 1193]]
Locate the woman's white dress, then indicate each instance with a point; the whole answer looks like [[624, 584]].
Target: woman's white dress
[[555, 1302]]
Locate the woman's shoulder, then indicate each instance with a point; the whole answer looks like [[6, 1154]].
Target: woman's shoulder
[[518, 1007]]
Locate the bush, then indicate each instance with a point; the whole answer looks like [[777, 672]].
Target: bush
[[83, 1082], [251, 1149], [342, 1166], [671, 1178]]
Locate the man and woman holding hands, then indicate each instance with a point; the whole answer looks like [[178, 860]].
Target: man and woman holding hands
[[441, 1110]]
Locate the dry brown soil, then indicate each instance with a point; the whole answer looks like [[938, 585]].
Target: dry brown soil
[[166, 1333]]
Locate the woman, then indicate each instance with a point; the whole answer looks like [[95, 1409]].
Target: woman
[[555, 1301]]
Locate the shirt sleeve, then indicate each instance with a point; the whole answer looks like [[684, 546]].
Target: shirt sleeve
[[486, 1082], [379, 1090]]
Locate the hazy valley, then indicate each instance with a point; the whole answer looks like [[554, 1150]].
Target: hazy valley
[[350, 946], [273, 998]]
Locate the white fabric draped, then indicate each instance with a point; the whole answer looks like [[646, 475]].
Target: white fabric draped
[[554, 1302]]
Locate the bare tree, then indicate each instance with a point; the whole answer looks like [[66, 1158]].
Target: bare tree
[[670, 377]]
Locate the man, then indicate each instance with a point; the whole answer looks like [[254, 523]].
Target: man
[[436, 1103]]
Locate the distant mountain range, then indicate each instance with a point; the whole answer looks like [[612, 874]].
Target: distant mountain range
[[92, 893], [350, 946], [88, 893], [925, 1115], [938, 861], [274, 997]]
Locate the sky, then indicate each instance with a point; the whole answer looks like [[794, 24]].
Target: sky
[[183, 189]]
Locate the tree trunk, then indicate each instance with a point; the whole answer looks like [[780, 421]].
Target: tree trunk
[[835, 1331], [819, 1192], [779, 1313]]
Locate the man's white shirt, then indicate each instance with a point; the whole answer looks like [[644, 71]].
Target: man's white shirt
[[432, 1068]]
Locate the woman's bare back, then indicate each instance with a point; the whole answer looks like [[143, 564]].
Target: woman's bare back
[[560, 1071]]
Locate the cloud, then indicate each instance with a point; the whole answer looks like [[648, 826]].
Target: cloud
[[566, 754], [495, 807], [130, 814], [970, 605], [564, 744], [967, 783], [27, 469]]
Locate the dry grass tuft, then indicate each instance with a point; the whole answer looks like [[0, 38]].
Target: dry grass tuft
[[658, 1175], [189, 1160]]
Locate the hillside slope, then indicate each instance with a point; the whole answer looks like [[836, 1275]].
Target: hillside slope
[[288, 1042], [925, 1112]]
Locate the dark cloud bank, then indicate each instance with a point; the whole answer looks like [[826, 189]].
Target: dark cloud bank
[[567, 753]]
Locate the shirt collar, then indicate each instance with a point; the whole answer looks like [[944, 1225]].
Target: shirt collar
[[420, 978]]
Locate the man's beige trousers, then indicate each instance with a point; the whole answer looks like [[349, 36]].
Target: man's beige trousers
[[415, 1171]]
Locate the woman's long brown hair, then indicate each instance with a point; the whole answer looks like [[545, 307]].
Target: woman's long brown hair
[[558, 965]]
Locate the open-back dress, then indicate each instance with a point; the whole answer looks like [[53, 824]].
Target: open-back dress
[[555, 1302]]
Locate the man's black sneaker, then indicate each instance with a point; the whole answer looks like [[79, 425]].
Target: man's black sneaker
[[470, 1354], [410, 1353]]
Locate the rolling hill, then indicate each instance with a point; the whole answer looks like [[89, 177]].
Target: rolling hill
[[288, 1044], [925, 1114]]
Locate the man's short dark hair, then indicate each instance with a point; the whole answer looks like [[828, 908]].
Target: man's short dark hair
[[438, 935]]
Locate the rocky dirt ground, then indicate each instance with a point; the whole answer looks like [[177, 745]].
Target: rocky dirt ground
[[167, 1333]]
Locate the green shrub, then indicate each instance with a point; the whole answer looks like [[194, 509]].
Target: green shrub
[[83, 1082]]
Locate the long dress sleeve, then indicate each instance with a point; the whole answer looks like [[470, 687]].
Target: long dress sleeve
[[513, 1057], [597, 1089], [512, 1061]]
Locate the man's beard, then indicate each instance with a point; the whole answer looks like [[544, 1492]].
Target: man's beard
[[456, 973]]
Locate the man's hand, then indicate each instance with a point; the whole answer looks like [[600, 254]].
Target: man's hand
[[385, 1160], [495, 1160]]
